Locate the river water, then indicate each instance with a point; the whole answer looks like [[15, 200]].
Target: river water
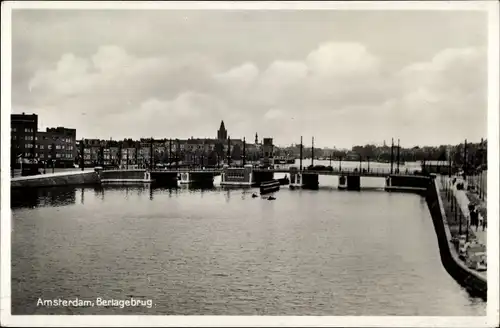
[[221, 252]]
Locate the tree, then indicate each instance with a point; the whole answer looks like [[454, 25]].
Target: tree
[[236, 153]]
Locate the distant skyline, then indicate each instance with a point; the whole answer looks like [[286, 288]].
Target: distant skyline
[[345, 77]]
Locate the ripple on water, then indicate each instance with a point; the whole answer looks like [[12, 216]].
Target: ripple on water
[[213, 252]]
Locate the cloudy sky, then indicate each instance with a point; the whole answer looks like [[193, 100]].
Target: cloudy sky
[[346, 77]]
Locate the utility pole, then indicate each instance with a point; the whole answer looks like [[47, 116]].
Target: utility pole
[[392, 155], [300, 153], [312, 152], [398, 158], [34, 146], [170, 153], [244, 151], [151, 155], [229, 151], [465, 158], [177, 154], [82, 160]]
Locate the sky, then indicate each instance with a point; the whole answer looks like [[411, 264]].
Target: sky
[[344, 77]]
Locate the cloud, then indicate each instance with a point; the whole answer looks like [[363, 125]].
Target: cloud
[[342, 92]]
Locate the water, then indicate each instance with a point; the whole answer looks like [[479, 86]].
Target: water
[[222, 252]]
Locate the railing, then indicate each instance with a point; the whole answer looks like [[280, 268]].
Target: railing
[[326, 171]]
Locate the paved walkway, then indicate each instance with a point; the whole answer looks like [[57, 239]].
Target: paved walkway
[[48, 175], [463, 202]]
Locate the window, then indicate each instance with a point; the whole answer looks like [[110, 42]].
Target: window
[[49, 146], [58, 146], [42, 146], [13, 129], [49, 156], [62, 147], [36, 138], [42, 155], [14, 138], [58, 155]]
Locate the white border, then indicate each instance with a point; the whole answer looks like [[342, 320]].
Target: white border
[[490, 320]]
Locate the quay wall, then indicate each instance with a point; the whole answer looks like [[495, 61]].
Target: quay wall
[[123, 174], [469, 279], [409, 181], [58, 179]]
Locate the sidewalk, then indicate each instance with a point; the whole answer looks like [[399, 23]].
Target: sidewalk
[[463, 200]]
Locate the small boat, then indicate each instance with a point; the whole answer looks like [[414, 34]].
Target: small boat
[[271, 198], [254, 195], [269, 187]]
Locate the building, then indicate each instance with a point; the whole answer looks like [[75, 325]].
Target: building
[[267, 150], [222, 132], [57, 146], [23, 129], [192, 151]]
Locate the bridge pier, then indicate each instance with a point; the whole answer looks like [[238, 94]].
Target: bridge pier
[[342, 182], [407, 183], [205, 178], [303, 179], [310, 180], [262, 176], [164, 178], [295, 178], [354, 182], [350, 182], [238, 176]]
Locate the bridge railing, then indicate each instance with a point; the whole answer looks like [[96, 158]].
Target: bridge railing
[[325, 171]]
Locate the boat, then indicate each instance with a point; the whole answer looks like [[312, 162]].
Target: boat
[[271, 198], [254, 195], [269, 187]]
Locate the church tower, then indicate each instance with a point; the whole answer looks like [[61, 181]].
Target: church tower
[[256, 138], [222, 133]]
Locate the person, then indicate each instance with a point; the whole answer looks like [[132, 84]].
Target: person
[[474, 217]]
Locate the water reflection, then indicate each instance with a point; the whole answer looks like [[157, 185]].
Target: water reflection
[[35, 197], [307, 253]]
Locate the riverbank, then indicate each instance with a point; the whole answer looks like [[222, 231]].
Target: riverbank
[[447, 221], [56, 179]]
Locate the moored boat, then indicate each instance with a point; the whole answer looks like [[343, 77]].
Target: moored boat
[[269, 187]]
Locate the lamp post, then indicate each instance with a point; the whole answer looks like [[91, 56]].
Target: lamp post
[[244, 151], [300, 153], [312, 152], [392, 155]]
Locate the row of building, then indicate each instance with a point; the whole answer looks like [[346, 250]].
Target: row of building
[[28, 144], [60, 147]]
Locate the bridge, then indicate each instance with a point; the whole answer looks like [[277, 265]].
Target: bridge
[[349, 179], [378, 172]]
